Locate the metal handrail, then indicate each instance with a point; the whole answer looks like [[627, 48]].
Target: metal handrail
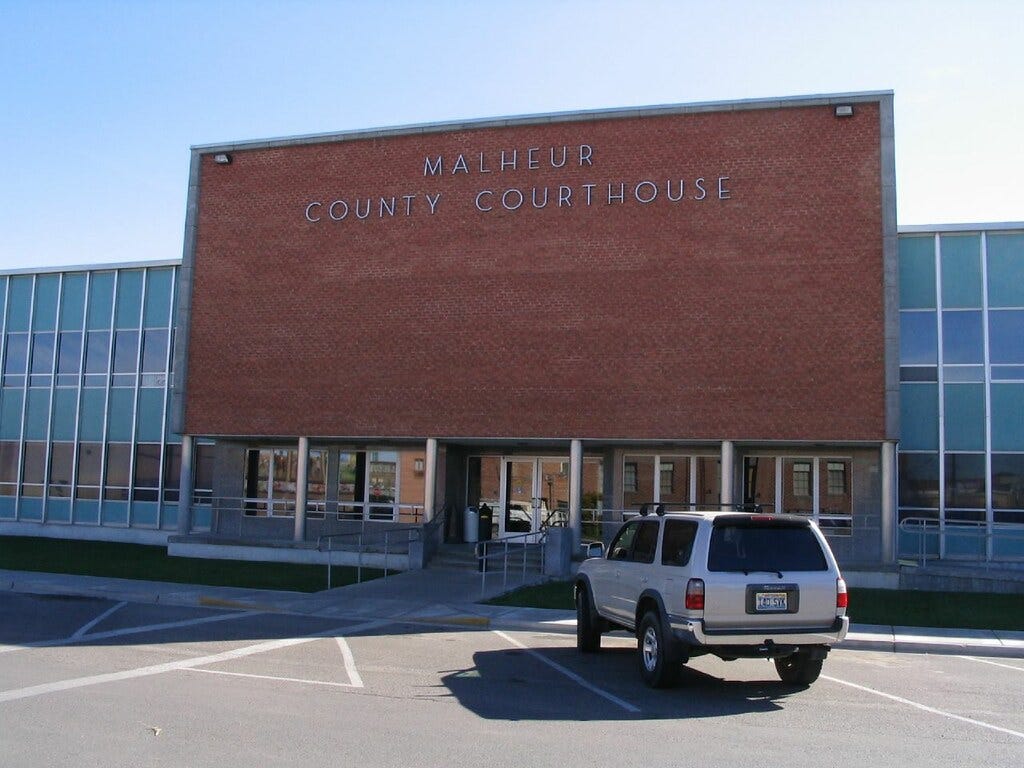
[[255, 509], [386, 534], [977, 529], [483, 555]]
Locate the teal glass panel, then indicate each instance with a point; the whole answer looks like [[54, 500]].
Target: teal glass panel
[[964, 417], [150, 416], [72, 302], [174, 298], [37, 414], [202, 515], [115, 512], [172, 437], [169, 516], [44, 313], [1007, 543], [919, 334], [19, 303], [157, 313], [87, 511], [145, 514], [917, 272], [31, 509], [963, 337], [1008, 417], [129, 299], [11, 401], [90, 419], [919, 417], [8, 507], [1005, 270], [3, 295], [1006, 336], [65, 407], [961, 270], [58, 510], [119, 419], [101, 301]]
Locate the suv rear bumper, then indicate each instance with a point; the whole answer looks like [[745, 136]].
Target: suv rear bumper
[[693, 633]]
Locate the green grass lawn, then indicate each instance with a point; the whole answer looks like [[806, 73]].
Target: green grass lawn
[[953, 610], [136, 561]]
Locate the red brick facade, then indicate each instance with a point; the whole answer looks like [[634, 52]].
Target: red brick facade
[[755, 313]]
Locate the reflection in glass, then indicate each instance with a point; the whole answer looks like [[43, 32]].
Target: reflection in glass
[[965, 480], [1006, 336], [1008, 481], [919, 480], [963, 340], [918, 338], [759, 481]]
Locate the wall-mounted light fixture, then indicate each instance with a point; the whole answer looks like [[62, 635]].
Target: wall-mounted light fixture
[[222, 158], [844, 110], [417, 466]]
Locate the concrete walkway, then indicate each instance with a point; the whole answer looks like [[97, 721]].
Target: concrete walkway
[[450, 597]]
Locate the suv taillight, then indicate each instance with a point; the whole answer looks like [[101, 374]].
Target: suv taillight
[[842, 599], [695, 595]]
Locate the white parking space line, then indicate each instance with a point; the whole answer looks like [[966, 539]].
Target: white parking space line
[[993, 663], [86, 627], [570, 674], [199, 661], [350, 663], [129, 631], [276, 679], [925, 708]]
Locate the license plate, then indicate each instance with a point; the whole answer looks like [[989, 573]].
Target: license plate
[[767, 602]]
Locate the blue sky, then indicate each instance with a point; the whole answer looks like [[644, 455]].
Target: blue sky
[[100, 101]]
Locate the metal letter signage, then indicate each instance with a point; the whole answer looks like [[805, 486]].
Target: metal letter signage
[[510, 198]]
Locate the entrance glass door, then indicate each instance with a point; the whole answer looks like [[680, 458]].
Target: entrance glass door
[[519, 502], [530, 493], [535, 494]]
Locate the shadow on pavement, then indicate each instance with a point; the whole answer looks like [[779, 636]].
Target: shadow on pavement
[[514, 685]]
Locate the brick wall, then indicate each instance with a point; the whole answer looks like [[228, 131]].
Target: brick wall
[[759, 316]]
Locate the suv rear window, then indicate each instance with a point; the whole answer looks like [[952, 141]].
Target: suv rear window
[[764, 546]]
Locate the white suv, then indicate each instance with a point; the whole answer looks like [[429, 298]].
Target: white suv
[[730, 584]]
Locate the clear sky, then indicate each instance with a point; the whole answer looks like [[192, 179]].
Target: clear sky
[[100, 101]]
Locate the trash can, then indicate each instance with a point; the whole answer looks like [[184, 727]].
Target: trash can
[[486, 521], [471, 525]]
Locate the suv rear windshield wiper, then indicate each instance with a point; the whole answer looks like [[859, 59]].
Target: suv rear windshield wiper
[[748, 571]]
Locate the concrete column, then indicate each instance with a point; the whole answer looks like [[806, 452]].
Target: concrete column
[[576, 493], [888, 522], [301, 489], [185, 486], [728, 470], [430, 480]]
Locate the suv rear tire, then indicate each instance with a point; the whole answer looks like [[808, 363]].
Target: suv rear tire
[[659, 663], [798, 669], [588, 626]]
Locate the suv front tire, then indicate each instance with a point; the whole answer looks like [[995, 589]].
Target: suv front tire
[[588, 624]]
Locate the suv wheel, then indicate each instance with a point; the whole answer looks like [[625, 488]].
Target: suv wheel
[[798, 669], [588, 626], [659, 665]]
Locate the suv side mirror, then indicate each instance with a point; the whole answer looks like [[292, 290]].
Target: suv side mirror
[[593, 549]]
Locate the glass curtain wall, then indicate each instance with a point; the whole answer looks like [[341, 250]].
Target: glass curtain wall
[[86, 375], [961, 459]]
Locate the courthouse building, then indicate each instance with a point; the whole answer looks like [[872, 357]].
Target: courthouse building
[[559, 316]]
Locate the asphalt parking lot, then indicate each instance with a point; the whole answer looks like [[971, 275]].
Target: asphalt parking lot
[[87, 681]]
